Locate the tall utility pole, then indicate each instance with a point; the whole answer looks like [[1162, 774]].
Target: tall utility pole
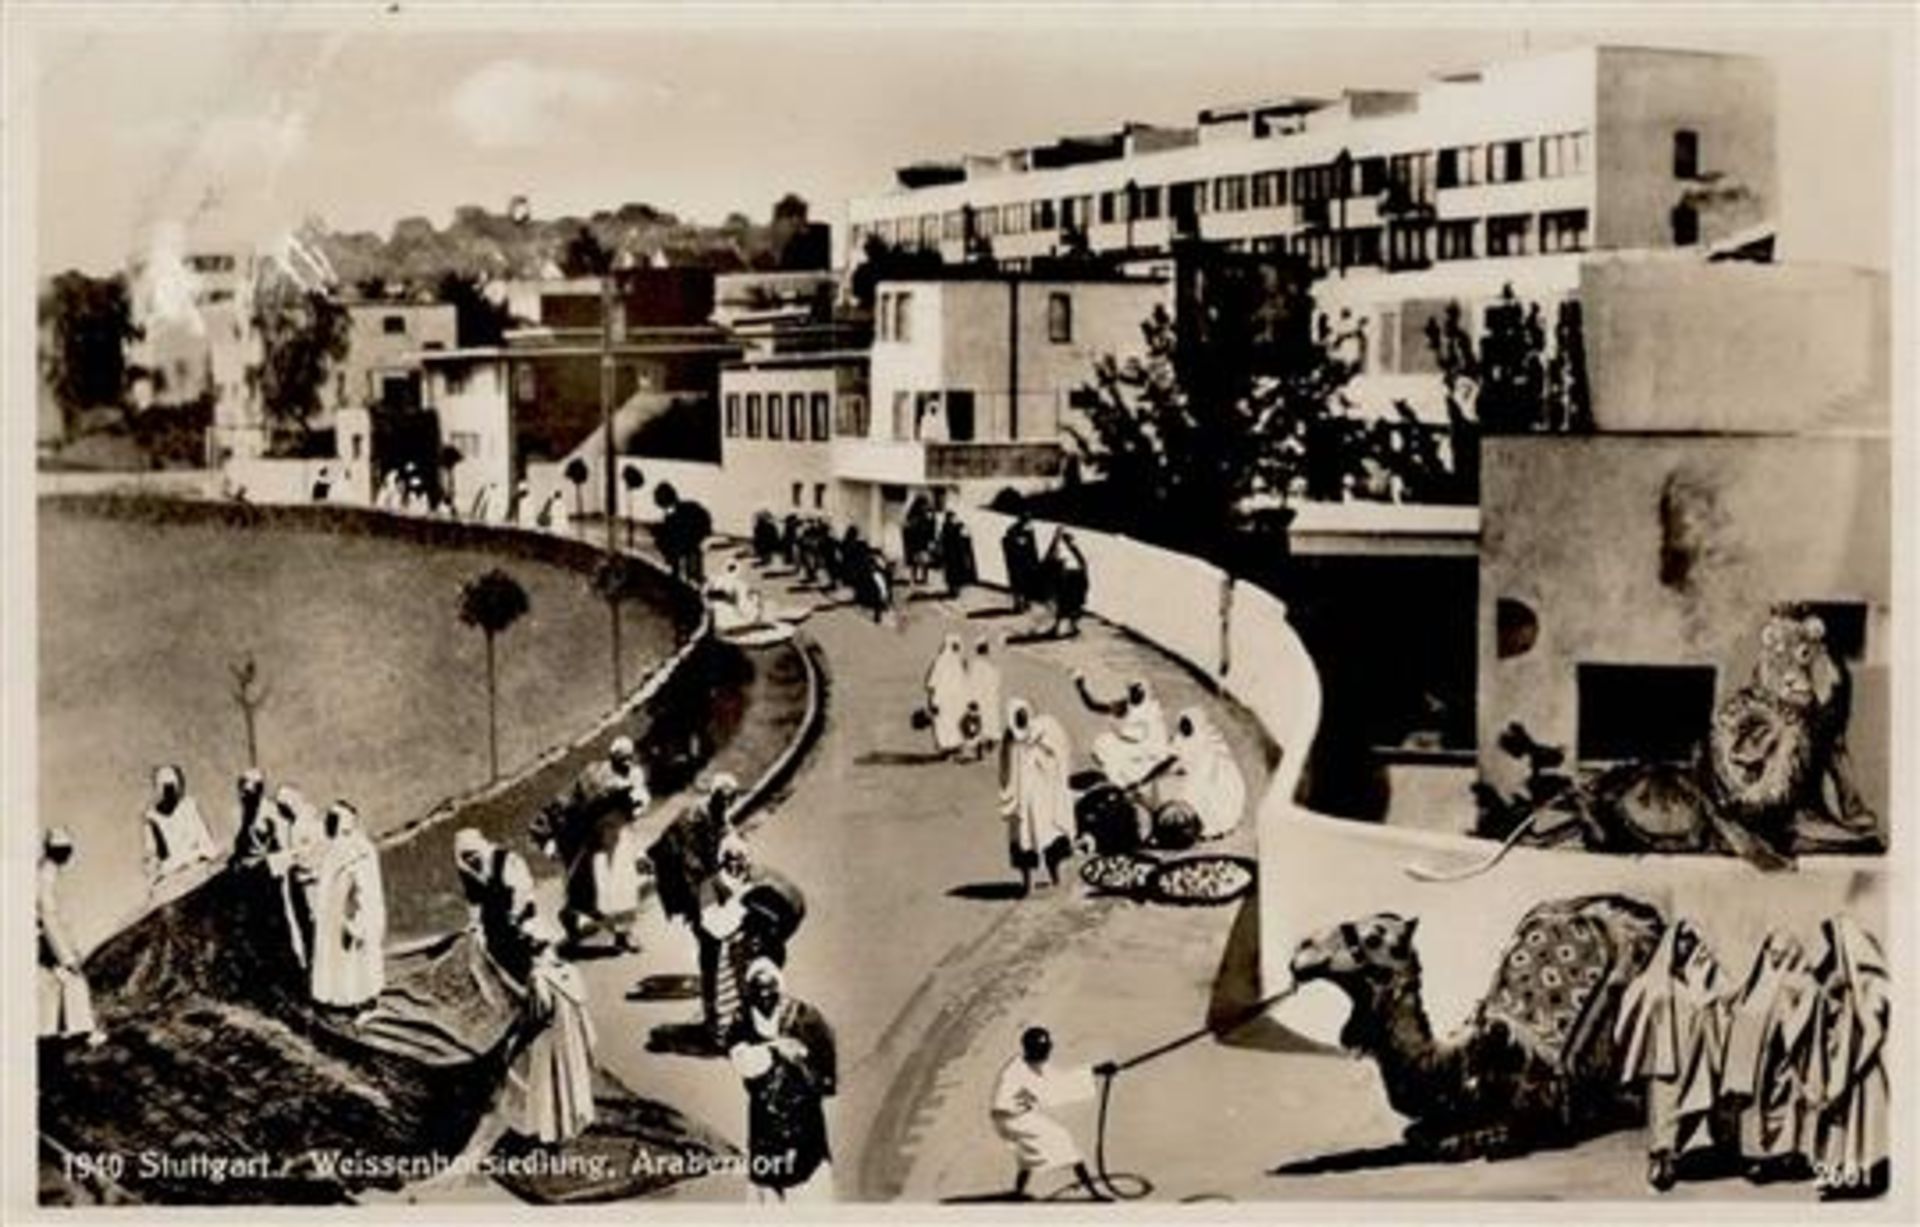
[[608, 484], [1343, 182], [606, 396]]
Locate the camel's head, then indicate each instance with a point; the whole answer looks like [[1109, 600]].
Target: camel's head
[[1379, 946]]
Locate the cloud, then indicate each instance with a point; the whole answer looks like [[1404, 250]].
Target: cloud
[[512, 104]]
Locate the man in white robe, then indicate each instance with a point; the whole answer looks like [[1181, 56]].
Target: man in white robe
[[550, 1083], [66, 1003], [1035, 799], [1027, 1084], [349, 916], [178, 841], [983, 699], [1204, 777], [1137, 748], [735, 604], [946, 688]]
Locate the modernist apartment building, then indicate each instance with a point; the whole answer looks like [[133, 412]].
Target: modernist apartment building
[[1401, 201]]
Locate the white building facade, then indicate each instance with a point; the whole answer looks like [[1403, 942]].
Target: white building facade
[[974, 378], [1400, 202]]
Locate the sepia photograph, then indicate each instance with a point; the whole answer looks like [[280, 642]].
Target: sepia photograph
[[1228, 609]]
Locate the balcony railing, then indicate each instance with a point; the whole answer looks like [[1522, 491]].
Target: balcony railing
[[908, 463]]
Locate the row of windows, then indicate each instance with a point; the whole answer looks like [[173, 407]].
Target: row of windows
[[1415, 175], [893, 316], [797, 416], [1403, 245]]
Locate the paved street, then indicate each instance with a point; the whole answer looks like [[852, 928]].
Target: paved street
[[929, 970]]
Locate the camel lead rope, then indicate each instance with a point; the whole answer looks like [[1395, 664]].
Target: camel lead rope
[[1109, 1181]]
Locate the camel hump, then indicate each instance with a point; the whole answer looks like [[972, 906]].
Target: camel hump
[[1557, 971]]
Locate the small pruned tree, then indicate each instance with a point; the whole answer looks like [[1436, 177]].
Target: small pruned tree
[[576, 474], [616, 580], [249, 695], [491, 602], [1183, 436]]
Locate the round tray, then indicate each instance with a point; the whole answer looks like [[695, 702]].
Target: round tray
[[1234, 874]]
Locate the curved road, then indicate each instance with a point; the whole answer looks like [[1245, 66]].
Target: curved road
[[913, 948]]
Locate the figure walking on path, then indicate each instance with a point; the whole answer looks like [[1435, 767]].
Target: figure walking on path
[[1027, 1084], [1034, 796], [1022, 554], [947, 694], [783, 1050], [591, 831], [956, 555], [1067, 583], [66, 1003], [984, 704], [747, 912]]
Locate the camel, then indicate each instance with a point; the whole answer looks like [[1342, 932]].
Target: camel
[[1535, 1065]]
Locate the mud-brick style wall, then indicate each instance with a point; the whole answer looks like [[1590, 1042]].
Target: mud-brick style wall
[[1668, 550]]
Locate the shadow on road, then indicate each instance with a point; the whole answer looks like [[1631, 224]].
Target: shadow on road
[[899, 758], [1361, 1159], [665, 987], [989, 892], [682, 1040]]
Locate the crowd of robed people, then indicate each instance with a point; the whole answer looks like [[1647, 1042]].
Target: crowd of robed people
[[1782, 1073], [318, 875], [742, 913]]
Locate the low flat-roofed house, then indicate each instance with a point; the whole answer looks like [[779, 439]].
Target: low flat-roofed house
[[384, 343], [973, 379], [1741, 460]]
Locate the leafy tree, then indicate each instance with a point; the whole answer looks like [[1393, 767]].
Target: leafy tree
[[1184, 436], [1512, 380], [91, 324], [491, 603], [585, 255], [882, 261], [478, 320], [303, 333], [577, 473]]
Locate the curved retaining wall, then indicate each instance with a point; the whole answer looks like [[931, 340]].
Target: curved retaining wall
[[161, 504], [1317, 870]]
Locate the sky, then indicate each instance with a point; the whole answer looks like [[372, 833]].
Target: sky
[[244, 125]]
